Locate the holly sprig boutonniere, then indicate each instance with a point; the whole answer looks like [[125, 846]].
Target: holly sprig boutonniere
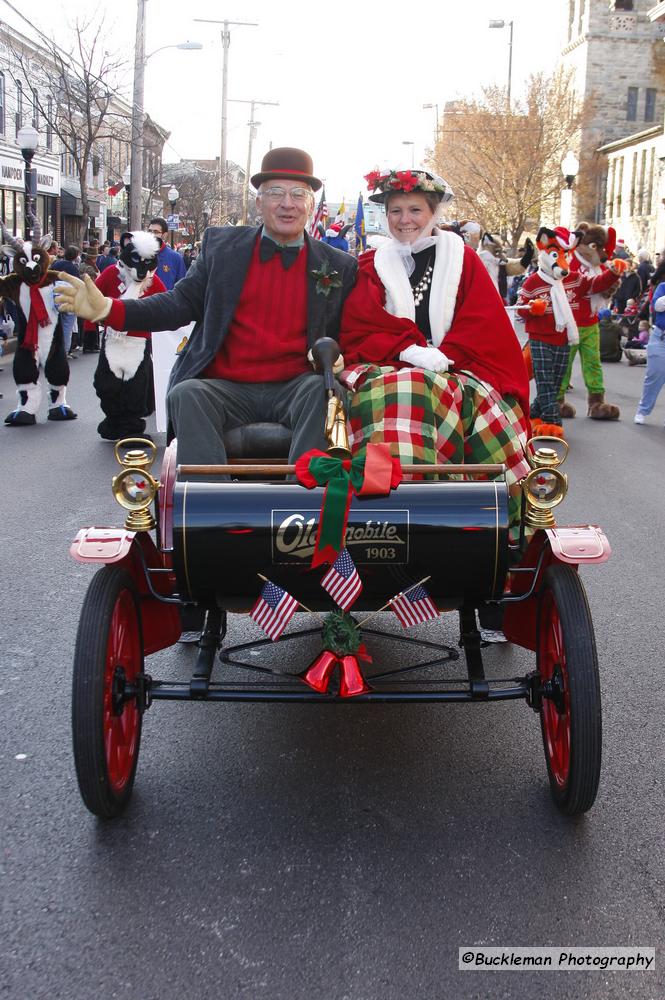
[[326, 279]]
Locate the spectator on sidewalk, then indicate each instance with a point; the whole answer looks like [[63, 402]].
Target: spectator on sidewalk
[[610, 337], [654, 380], [70, 266], [171, 267]]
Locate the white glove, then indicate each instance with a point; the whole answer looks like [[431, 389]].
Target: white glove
[[81, 297], [573, 336], [430, 358], [659, 304]]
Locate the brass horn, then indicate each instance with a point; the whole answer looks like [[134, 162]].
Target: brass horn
[[325, 353]]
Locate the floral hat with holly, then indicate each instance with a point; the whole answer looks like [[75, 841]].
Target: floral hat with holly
[[383, 182]]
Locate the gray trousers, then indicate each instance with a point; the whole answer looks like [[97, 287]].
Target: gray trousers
[[201, 410]]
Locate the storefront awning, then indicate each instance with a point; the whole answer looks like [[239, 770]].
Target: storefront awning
[[73, 206]]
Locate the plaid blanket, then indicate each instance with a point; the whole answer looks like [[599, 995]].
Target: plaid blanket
[[439, 418]]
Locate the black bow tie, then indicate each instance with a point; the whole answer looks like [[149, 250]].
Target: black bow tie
[[268, 248]]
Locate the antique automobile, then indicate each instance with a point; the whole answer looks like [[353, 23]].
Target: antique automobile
[[203, 538]]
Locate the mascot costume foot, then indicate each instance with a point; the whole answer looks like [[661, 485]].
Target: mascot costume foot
[[41, 345], [123, 379]]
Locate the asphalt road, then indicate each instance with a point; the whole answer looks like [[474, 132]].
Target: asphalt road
[[310, 853]]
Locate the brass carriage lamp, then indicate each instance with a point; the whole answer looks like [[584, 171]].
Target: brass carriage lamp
[[545, 486], [135, 488]]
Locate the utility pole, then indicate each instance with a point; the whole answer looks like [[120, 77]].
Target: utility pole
[[136, 161], [252, 135], [226, 42]]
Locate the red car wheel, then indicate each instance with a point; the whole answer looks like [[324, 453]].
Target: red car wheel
[[570, 712], [106, 724]]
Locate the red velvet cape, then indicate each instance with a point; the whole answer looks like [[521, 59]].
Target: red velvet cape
[[481, 338]]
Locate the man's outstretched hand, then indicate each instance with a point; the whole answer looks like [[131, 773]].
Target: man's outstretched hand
[[82, 297]]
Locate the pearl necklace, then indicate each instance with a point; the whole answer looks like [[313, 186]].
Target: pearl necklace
[[422, 286]]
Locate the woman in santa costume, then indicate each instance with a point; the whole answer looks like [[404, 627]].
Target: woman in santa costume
[[123, 379], [432, 359]]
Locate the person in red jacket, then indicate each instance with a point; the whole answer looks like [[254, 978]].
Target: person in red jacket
[[548, 302], [123, 379]]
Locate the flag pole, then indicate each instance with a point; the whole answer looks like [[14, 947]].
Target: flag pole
[[309, 610], [401, 594]]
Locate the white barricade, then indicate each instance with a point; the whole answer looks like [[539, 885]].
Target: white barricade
[[164, 351]]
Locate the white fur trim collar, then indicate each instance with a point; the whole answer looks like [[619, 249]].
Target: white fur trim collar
[[443, 291]]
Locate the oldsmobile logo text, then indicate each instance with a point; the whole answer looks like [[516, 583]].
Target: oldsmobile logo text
[[382, 536]]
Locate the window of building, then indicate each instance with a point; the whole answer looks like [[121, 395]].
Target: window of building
[[35, 110], [621, 5], [633, 184], [631, 104], [49, 125], [19, 106], [619, 185], [650, 104], [2, 103]]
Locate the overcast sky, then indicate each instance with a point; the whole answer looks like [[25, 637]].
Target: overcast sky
[[350, 77]]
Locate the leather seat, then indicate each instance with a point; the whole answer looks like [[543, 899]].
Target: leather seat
[[258, 441]]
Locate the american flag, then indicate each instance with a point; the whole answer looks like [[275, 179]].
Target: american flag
[[320, 215], [342, 581], [274, 610], [413, 607]]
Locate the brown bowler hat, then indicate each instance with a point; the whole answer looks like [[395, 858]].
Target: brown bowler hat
[[286, 163]]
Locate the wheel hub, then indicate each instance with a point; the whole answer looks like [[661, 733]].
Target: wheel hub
[[118, 690], [553, 689]]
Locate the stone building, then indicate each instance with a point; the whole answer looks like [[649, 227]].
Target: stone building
[[617, 57]]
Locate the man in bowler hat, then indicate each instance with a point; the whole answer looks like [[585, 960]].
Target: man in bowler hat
[[258, 306]]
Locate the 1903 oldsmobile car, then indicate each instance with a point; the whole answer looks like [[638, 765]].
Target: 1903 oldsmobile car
[[204, 544]]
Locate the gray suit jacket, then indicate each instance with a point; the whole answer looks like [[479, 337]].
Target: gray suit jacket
[[209, 293]]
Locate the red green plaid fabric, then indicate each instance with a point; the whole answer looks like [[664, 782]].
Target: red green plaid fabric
[[439, 418]]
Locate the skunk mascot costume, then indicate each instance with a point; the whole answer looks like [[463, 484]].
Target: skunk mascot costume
[[123, 380], [41, 344]]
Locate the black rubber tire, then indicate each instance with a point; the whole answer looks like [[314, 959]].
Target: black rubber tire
[[108, 587], [563, 596]]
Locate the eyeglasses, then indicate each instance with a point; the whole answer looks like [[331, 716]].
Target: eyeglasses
[[279, 194], [155, 232]]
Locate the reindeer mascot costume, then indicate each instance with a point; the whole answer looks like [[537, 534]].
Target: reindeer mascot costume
[[123, 380], [596, 244], [500, 267], [548, 302], [41, 346]]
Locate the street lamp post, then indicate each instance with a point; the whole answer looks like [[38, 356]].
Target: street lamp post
[[28, 140], [226, 43], [507, 24], [569, 168], [173, 195], [206, 216], [140, 61], [435, 107], [407, 142]]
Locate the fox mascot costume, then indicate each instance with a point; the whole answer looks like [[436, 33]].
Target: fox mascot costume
[[548, 301]]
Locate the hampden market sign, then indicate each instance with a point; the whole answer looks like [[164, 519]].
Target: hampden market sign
[[12, 176]]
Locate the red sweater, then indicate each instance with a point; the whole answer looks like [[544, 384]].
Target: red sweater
[[577, 286], [267, 337], [109, 282]]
